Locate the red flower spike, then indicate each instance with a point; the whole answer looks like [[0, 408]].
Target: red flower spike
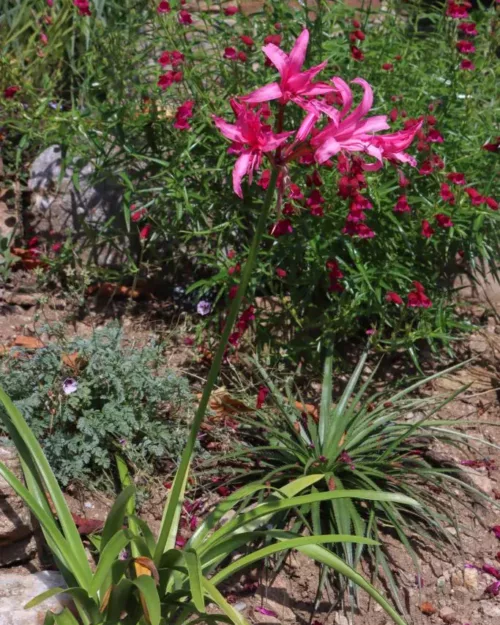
[[248, 41], [10, 92], [388, 67], [232, 10], [281, 273], [274, 39], [230, 53]]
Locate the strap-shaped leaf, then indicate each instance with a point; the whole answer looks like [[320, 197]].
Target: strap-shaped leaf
[[195, 578], [149, 598], [15, 421], [227, 608], [79, 595], [107, 558], [116, 516]]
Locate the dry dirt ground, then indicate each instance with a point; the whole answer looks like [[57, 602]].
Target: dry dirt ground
[[449, 590]]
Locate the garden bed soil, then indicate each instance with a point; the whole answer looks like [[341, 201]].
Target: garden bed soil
[[448, 589]]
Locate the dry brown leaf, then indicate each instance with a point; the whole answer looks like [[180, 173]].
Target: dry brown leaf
[[224, 405], [146, 566], [28, 342], [106, 598], [427, 608], [74, 361], [309, 409]]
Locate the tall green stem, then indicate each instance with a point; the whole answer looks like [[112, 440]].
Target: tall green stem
[[171, 514]]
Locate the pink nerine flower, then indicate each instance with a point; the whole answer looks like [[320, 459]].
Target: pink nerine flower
[[350, 131], [294, 85], [252, 139]]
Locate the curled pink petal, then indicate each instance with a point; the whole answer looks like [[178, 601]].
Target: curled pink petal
[[239, 171]]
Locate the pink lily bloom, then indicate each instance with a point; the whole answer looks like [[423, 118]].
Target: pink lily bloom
[[251, 139], [294, 85], [349, 131]]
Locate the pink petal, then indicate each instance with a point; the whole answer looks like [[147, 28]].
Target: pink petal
[[365, 105], [277, 57], [372, 124], [240, 169], [297, 56], [264, 94], [319, 89], [230, 131], [307, 125], [345, 94], [330, 147], [301, 80], [274, 141]]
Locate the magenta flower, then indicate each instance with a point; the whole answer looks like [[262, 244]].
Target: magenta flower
[[10, 92], [468, 28], [164, 7], [253, 139], [83, 7], [465, 47], [393, 298], [281, 227], [467, 65], [185, 18], [496, 530], [457, 11], [402, 205], [475, 197], [294, 85], [427, 230], [418, 298], [230, 11], [443, 220], [266, 611], [456, 178], [261, 396], [446, 194], [349, 131]]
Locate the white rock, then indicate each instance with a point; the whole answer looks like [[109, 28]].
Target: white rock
[[470, 579], [16, 590]]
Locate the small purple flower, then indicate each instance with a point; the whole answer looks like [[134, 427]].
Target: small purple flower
[[203, 307], [493, 589], [124, 554], [346, 458], [70, 385], [266, 611]]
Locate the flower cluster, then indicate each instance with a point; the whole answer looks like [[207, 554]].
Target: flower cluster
[[460, 11], [356, 36], [183, 114], [346, 131]]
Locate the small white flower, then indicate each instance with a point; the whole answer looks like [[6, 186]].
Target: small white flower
[[70, 385]]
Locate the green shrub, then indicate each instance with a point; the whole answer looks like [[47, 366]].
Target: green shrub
[[394, 440], [125, 401]]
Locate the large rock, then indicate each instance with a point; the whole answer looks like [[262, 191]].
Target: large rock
[[61, 207], [16, 590], [17, 543]]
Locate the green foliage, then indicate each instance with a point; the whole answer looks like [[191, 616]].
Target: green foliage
[[102, 72], [153, 583], [391, 440], [125, 402]]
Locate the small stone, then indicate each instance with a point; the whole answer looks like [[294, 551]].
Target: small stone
[[490, 609], [480, 480], [448, 615], [470, 579], [461, 594], [341, 619], [16, 590], [240, 606]]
